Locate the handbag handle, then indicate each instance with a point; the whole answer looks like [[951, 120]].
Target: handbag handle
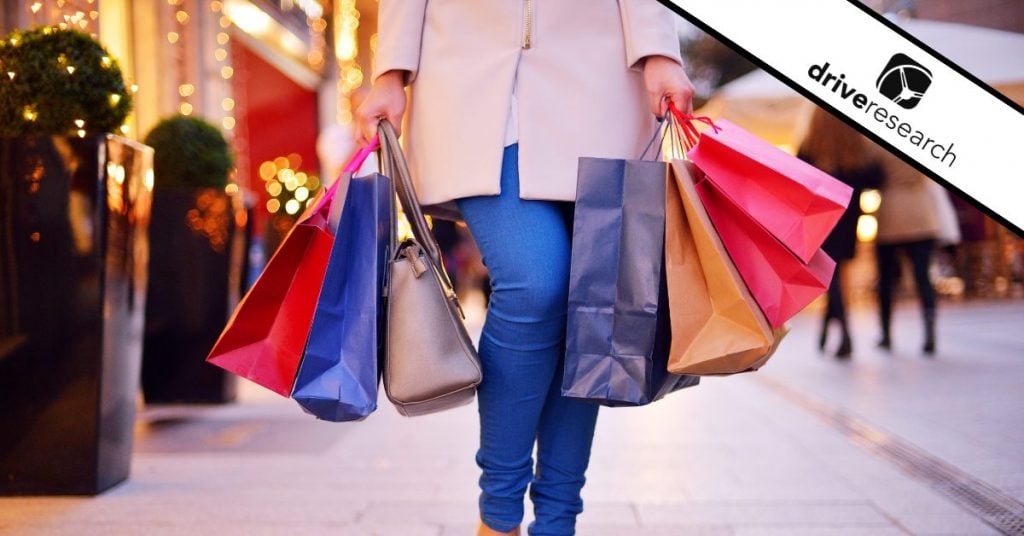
[[354, 163], [393, 165]]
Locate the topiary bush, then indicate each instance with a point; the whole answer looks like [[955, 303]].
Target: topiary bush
[[189, 153], [55, 81]]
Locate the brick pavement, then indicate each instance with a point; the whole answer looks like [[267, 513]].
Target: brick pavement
[[735, 456]]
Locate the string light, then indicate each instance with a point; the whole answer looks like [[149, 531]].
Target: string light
[[221, 55], [350, 75], [267, 171], [179, 37], [289, 190], [317, 28], [867, 228], [62, 14]]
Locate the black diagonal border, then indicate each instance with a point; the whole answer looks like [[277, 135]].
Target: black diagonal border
[[846, 119]]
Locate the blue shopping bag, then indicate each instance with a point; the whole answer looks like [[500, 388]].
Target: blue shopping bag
[[338, 377], [618, 332]]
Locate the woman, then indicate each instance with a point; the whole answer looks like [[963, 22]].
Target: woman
[[505, 97], [842, 152], [907, 221]]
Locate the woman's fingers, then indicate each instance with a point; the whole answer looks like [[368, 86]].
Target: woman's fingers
[[682, 98], [657, 103], [369, 121], [386, 100], [367, 128], [665, 78]]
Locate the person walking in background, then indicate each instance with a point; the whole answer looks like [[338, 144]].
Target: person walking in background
[[835, 148], [907, 222], [505, 97]]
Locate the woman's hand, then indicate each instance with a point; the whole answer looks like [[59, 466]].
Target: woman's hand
[[665, 79], [386, 100]]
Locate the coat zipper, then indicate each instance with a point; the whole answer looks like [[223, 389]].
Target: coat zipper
[[527, 23]]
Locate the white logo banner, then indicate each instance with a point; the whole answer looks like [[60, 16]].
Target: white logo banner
[[901, 93]]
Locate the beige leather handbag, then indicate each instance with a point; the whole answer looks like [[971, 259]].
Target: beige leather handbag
[[430, 364]]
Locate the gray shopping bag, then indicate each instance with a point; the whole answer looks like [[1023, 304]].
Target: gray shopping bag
[[618, 332]]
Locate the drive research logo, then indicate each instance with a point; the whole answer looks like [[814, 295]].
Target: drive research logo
[[904, 81], [911, 82]]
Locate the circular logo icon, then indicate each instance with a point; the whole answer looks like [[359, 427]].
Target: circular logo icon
[[904, 81]]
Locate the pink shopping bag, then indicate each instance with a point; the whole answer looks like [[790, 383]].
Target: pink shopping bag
[[794, 201]]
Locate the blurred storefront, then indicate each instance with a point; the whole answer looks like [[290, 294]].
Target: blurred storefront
[[1006, 15], [277, 76]]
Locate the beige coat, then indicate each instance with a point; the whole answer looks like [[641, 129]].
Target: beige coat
[[908, 212], [576, 66]]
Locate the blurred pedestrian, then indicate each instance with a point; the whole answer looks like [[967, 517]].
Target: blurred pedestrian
[[949, 236], [505, 97], [837, 149], [908, 223]]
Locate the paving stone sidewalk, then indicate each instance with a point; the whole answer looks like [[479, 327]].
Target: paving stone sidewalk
[[734, 456]]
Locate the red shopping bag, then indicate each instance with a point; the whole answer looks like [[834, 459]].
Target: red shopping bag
[[264, 339], [781, 283], [794, 201]]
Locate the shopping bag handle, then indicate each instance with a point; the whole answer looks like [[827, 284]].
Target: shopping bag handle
[[660, 133], [685, 121], [357, 159], [354, 163], [680, 138]]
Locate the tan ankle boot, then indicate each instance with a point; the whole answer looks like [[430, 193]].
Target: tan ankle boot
[[484, 530]]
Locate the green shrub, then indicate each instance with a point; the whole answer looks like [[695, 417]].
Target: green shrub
[[189, 153], [63, 81]]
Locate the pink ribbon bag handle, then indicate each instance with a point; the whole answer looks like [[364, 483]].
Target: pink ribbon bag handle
[[352, 166]]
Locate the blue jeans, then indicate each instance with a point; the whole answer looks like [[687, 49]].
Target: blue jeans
[[526, 248]]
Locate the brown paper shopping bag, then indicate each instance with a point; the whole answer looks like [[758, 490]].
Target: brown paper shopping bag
[[717, 327]]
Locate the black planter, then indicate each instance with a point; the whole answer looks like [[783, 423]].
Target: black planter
[[73, 256], [195, 272]]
